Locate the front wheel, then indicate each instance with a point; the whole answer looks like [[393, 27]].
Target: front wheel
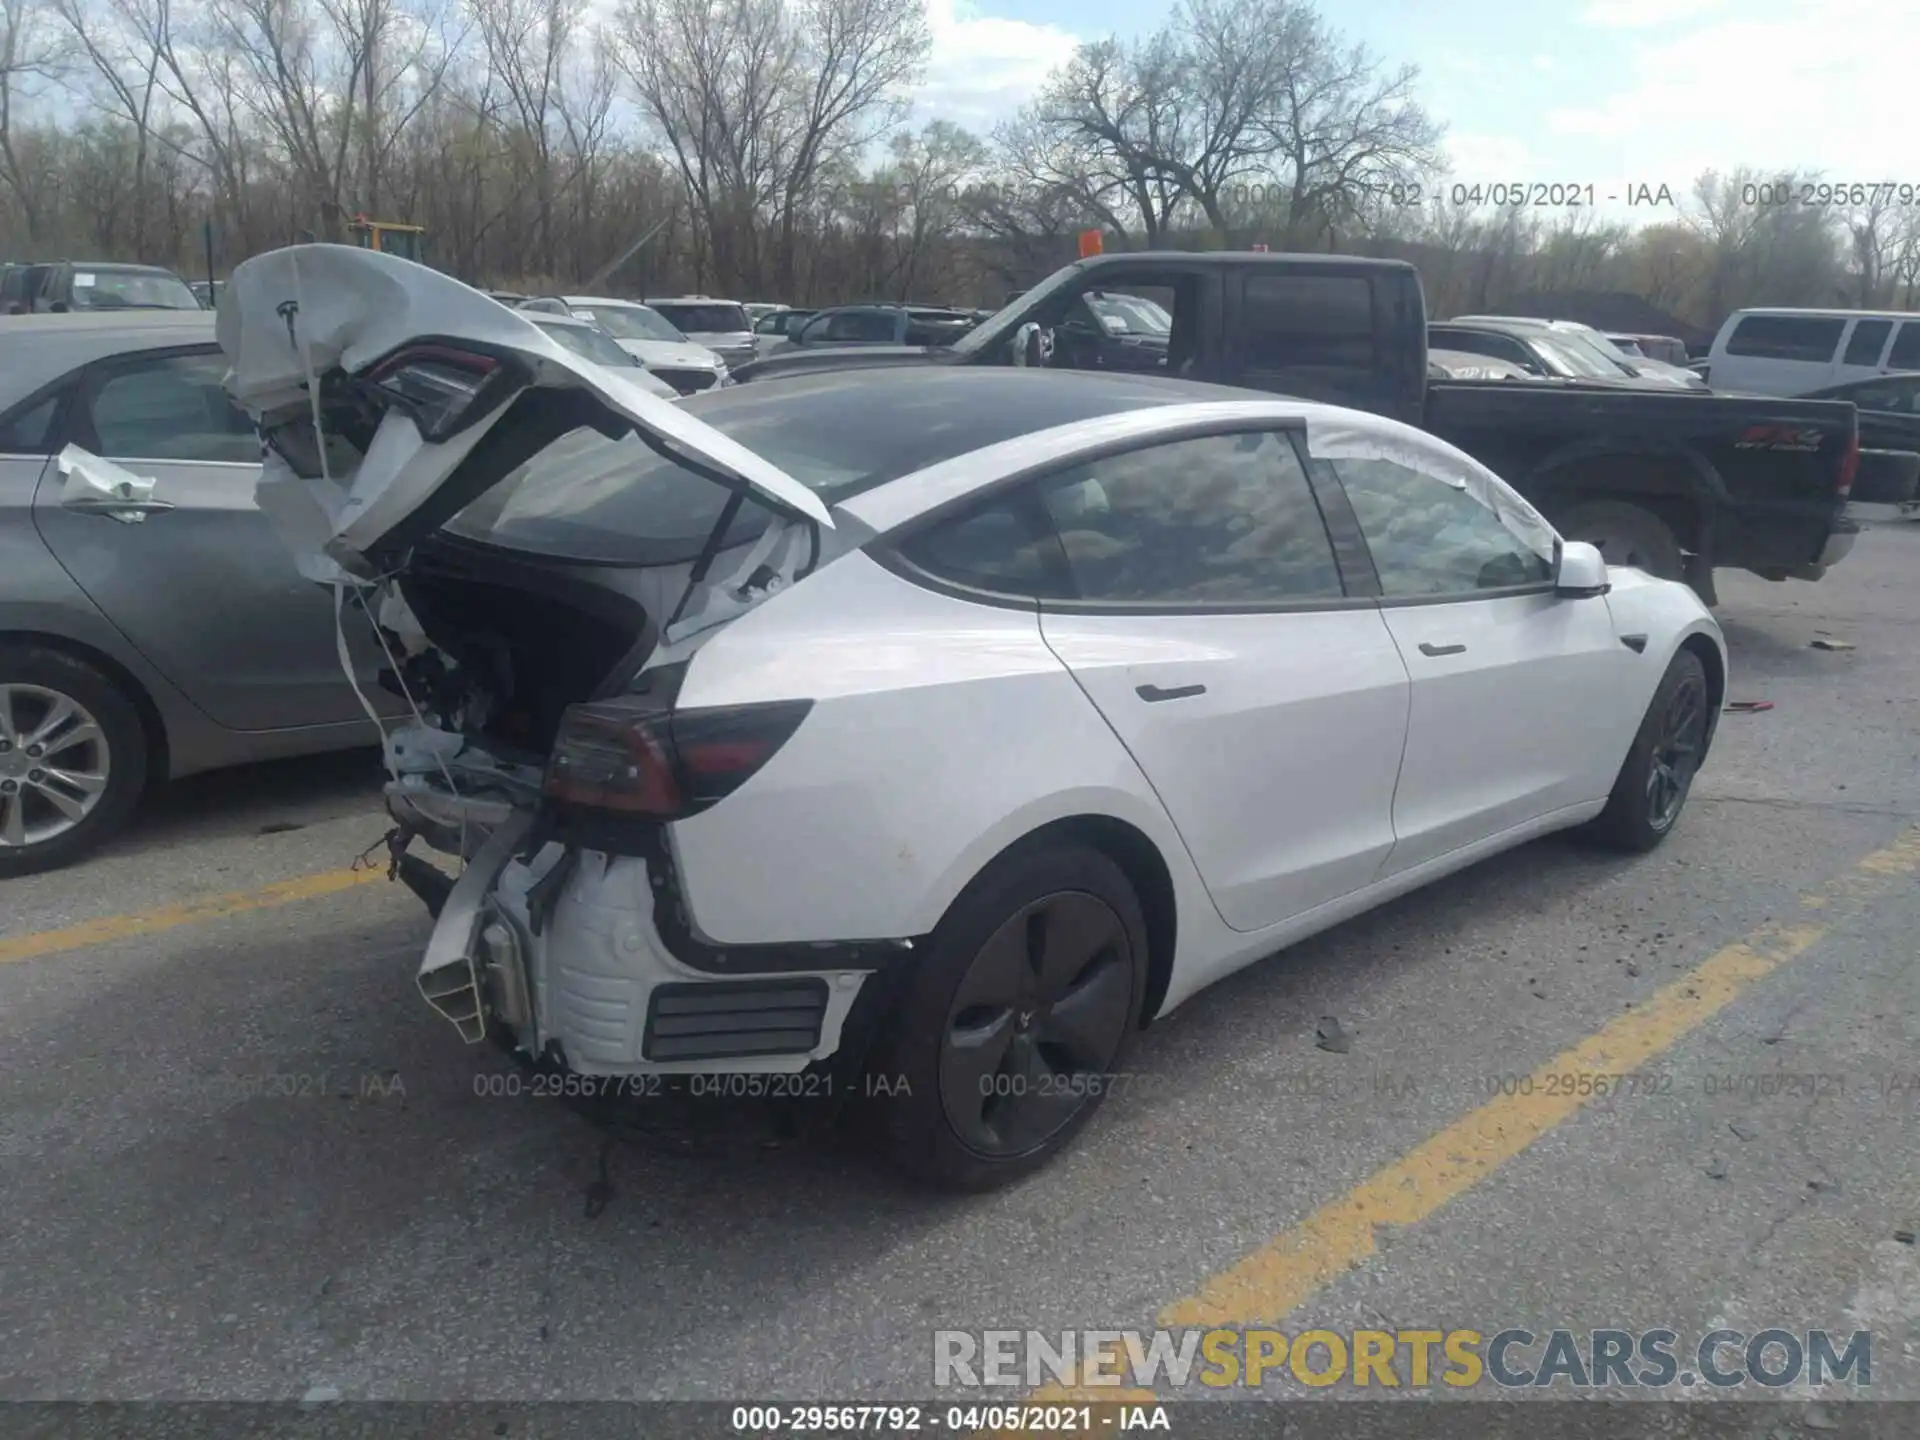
[[1655, 780], [1014, 1024]]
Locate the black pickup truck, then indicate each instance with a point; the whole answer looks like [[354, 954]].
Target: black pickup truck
[[1677, 483]]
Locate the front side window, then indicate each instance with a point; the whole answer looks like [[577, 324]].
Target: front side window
[[130, 290], [171, 408], [861, 325], [1216, 520], [1430, 537]]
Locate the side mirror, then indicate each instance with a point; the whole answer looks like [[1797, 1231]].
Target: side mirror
[[1033, 345], [100, 487], [1579, 570]]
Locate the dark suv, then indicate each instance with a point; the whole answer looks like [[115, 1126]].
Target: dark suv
[[76, 285]]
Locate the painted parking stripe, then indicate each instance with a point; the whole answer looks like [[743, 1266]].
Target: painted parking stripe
[[189, 912], [1274, 1280]]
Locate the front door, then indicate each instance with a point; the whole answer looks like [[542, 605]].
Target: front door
[[206, 590], [1515, 710], [1212, 632]]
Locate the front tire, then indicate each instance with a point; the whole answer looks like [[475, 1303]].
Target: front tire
[[73, 758], [1657, 776], [1014, 1024]]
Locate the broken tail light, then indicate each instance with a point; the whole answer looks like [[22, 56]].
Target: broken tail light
[[445, 388], [637, 760]]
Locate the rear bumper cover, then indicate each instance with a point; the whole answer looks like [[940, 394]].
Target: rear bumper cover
[[575, 972]]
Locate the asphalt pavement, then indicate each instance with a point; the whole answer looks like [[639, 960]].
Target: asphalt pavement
[[242, 1160]]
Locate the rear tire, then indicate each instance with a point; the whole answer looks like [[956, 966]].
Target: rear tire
[[84, 789], [1657, 775], [972, 1088], [1626, 534]]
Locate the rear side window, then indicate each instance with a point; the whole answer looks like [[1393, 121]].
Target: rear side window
[[1310, 325], [1869, 338], [874, 325], [1906, 347], [1216, 520], [1786, 337], [1002, 548]]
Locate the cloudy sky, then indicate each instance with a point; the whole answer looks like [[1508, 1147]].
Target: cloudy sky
[[1609, 92]]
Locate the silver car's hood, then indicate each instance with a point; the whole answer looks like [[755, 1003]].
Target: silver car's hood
[[670, 352], [303, 312]]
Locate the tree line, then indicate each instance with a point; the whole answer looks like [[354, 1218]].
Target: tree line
[[762, 149]]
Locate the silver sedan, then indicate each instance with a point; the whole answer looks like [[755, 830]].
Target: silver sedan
[[147, 640]]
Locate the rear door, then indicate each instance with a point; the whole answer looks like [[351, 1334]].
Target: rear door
[[205, 590], [1211, 628], [1354, 337], [1515, 707]]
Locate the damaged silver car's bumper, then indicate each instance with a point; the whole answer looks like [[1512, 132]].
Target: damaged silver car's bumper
[[591, 985]]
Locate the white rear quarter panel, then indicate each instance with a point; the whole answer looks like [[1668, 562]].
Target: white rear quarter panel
[[942, 731]]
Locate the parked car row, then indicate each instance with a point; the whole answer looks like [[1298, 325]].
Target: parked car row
[[239, 663]]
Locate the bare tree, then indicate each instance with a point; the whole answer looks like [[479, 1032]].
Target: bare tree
[[30, 53]]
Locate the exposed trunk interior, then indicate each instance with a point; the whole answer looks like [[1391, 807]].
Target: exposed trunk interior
[[525, 642]]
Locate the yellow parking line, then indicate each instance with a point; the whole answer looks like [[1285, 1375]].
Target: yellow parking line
[[190, 912], [1275, 1279]]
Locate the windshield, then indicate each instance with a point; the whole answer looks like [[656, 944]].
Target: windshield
[[1568, 356], [588, 343], [131, 290], [631, 322], [1130, 315], [705, 318]]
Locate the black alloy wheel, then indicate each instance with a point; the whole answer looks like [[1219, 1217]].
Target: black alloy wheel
[[1035, 1024]]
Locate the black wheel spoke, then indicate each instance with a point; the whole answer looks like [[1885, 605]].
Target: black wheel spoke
[[972, 1059], [1038, 1103], [1066, 935], [1081, 1027], [1000, 974]]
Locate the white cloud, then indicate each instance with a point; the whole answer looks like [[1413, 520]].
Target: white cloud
[[1643, 14], [1543, 63], [1487, 159], [1797, 86], [984, 67]]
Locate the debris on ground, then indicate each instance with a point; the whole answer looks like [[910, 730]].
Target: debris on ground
[[1747, 707], [1716, 1169], [1905, 1237], [1329, 1035], [1822, 642], [1744, 1132]]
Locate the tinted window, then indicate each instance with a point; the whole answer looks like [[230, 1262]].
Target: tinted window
[[1309, 322], [1905, 354], [1869, 338], [860, 325], [28, 431], [1431, 538], [172, 408], [994, 548], [708, 316], [1220, 520], [618, 502], [1895, 394], [1786, 337], [1481, 342]]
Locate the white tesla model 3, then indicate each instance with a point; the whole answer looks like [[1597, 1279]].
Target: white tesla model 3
[[939, 725]]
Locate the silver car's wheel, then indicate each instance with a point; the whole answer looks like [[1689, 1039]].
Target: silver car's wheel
[[55, 764]]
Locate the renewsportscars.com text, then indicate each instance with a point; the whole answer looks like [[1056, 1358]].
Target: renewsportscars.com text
[[1512, 1358]]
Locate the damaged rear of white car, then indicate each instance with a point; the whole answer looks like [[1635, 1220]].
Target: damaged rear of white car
[[542, 686]]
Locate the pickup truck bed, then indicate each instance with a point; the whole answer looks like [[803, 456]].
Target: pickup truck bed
[[1676, 482]]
